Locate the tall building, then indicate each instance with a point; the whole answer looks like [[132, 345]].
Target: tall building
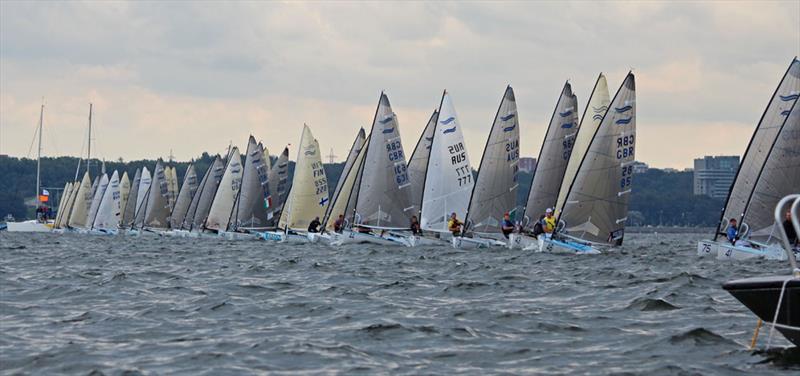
[[713, 175], [527, 164]]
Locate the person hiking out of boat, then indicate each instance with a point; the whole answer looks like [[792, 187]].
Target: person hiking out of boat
[[314, 225], [454, 225], [338, 224], [791, 234], [414, 225], [549, 221], [732, 232], [538, 228], [507, 226], [363, 230]]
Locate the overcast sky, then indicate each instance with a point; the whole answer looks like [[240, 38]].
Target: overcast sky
[[193, 77]]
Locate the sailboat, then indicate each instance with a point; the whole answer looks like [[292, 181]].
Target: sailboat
[[345, 195], [308, 196], [80, 207], [100, 189], [418, 163], [129, 209], [253, 208], [495, 191], [774, 298], [203, 198], [184, 199], [155, 205], [750, 195], [340, 196], [448, 180], [124, 193], [38, 224], [596, 206], [62, 205], [553, 161], [106, 219], [219, 214], [278, 186], [382, 201]]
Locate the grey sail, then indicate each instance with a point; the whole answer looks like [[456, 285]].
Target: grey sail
[[253, 207], [779, 178], [596, 207], [350, 206], [184, 199], [757, 151], [358, 144], [100, 189], [201, 203], [279, 178], [156, 215], [129, 211], [554, 155], [384, 197], [418, 164], [495, 189]]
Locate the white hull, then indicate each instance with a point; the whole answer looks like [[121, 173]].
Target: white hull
[[102, 232], [232, 235], [282, 237], [707, 247], [546, 244], [421, 241], [744, 252], [353, 237], [29, 226], [520, 241], [460, 242]]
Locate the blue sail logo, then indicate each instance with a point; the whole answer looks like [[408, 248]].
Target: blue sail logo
[[388, 130], [508, 117], [311, 150], [597, 117], [447, 121], [599, 109], [623, 109], [565, 113], [624, 121], [386, 120], [449, 130], [785, 113], [567, 125], [790, 97], [509, 129]]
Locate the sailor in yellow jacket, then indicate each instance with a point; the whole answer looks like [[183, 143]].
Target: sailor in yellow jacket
[[549, 221]]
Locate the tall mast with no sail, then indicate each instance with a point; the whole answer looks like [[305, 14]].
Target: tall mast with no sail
[[39, 155]]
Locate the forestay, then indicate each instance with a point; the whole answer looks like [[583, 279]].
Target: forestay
[[448, 180], [592, 115], [383, 198], [221, 208], [418, 164], [597, 203], [551, 165], [496, 186], [308, 197], [760, 144]]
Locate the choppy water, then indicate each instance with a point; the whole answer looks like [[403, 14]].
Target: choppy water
[[76, 304]]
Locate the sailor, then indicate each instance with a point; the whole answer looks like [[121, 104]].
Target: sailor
[[414, 225], [507, 225], [454, 225], [549, 221], [789, 229], [538, 228], [338, 224], [732, 232], [314, 225]]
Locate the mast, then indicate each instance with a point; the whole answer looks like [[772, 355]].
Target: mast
[[89, 151], [39, 155]]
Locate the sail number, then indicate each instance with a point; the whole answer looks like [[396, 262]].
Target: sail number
[[625, 146], [458, 155], [320, 183], [627, 174], [395, 150], [568, 143]]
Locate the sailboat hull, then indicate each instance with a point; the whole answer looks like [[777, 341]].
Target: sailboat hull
[[353, 237], [549, 245], [707, 248], [283, 237], [744, 252], [762, 294], [519, 241], [232, 235], [29, 226]]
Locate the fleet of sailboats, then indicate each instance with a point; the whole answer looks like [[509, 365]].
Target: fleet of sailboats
[[583, 177]]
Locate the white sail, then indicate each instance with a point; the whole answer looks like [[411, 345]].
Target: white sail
[[253, 207], [780, 177], [157, 211], [62, 204], [344, 203], [418, 164], [355, 149], [554, 155], [220, 213], [384, 195], [83, 199], [201, 203], [592, 115], [495, 190], [98, 196], [129, 209], [596, 207], [448, 181], [174, 187], [308, 196], [761, 142], [70, 205], [124, 192], [108, 213], [279, 182], [144, 186], [184, 199]]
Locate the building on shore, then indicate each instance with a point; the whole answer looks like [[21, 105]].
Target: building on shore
[[714, 175]]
